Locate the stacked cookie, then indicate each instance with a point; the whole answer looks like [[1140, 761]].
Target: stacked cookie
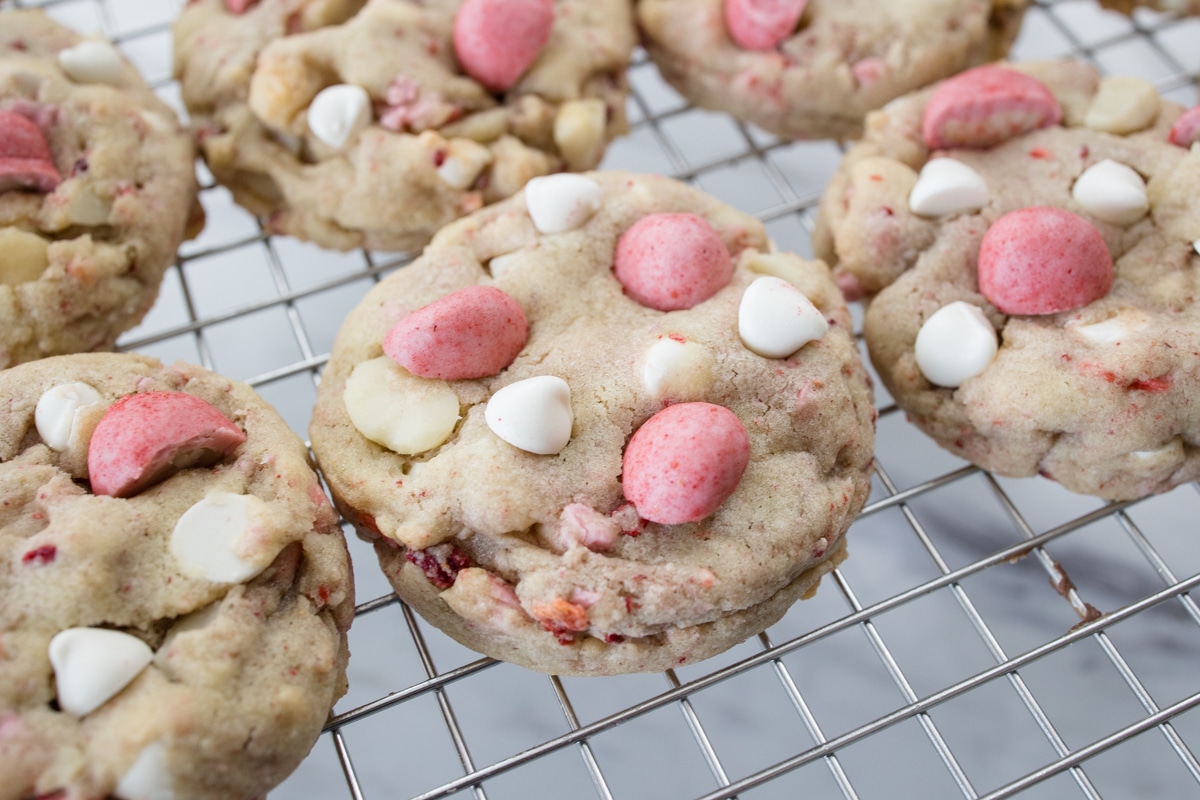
[[1026, 236], [177, 589], [97, 190], [374, 124], [600, 427]]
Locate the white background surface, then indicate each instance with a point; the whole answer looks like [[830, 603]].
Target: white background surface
[[961, 676]]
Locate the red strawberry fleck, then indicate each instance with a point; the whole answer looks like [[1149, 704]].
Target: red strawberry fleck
[[440, 563], [40, 555]]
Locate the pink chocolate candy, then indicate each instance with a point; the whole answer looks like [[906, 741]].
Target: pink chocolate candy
[[1186, 130], [239, 6], [472, 333], [684, 462], [25, 159], [762, 24], [672, 261], [986, 105], [497, 40], [1042, 261], [145, 438]]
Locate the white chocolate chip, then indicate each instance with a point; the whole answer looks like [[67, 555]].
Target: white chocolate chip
[[1112, 192], [404, 413], [214, 540], [339, 113], [1196, 246], [1123, 105], [947, 186], [91, 665], [957, 342], [1112, 330], [57, 413], [1171, 453], [679, 370], [85, 207], [502, 264], [579, 132], [562, 202], [92, 61], [775, 319], [149, 777], [534, 414], [463, 162], [25, 257]]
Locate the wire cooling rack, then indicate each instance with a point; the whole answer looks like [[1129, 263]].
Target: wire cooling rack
[[986, 637]]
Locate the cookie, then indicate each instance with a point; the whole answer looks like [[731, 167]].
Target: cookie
[[600, 427], [176, 586], [1026, 236], [812, 70], [97, 189], [373, 125]]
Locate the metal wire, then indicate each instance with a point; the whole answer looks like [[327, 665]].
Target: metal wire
[[935, 531]]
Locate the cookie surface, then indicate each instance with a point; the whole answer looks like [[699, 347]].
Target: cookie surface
[[509, 526], [407, 141], [843, 59], [187, 640], [1093, 329], [97, 189]]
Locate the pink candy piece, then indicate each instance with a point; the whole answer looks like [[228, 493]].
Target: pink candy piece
[[672, 261], [1042, 261], [497, 40], [762, 24], [1186, 130], [986, 105], [684, 462], [145, 438], [239, 6], [25, 159], [472, 333]]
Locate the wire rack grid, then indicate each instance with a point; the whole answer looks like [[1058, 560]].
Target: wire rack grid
[[987, 637]]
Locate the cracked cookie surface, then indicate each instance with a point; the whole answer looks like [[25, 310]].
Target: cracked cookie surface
[[95, 194], [844, 58], [1090, 384], [237, 672], [511, 529], [426, 144]]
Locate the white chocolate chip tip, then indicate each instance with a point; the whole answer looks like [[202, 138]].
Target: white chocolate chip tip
[[678, 369], [1112, 192], [533, 415], [214, 539], [1123, 105], [149, 777], [56, 415], [956, 343], [562, 202], [775, 319], [92, 665], [947, 186], [339, 113], [92, 61], [401, 411]]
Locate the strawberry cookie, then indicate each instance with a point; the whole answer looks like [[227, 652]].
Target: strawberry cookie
[[176, 588], [811, 69], [600, 427], [374, 124], [1026, 236], [97, 189]]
